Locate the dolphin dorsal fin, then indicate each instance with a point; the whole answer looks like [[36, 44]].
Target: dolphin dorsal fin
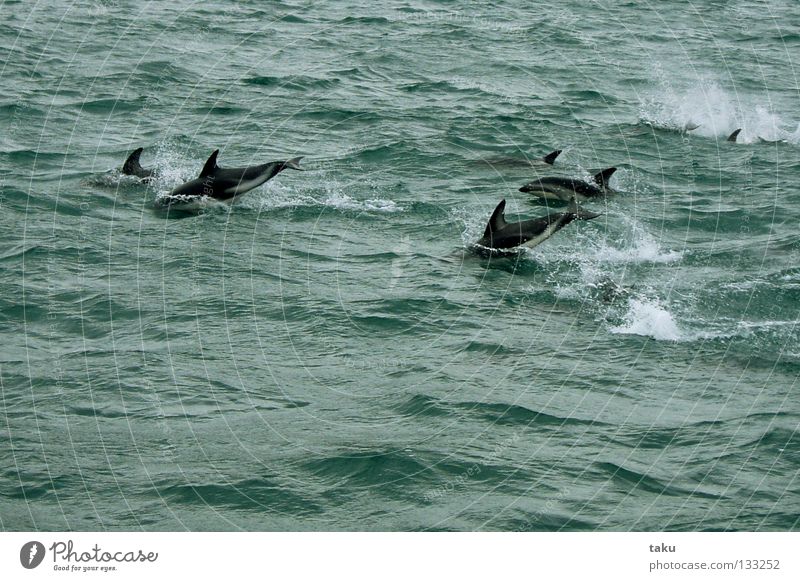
[[734, 135], [132, 163], [498, 219], [602, 177], [211, 165], [551, 157]]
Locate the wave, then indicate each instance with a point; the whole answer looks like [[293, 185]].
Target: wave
[[633, 481], [251, 493], [292, 82], [387, 472], [496, 413]]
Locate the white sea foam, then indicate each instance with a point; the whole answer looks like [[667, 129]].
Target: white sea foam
[[193, 204], [750, 326], [647, 317], [342, 201], [474, 223], [173, 167], [276, 196], [635, 246], [715, 112]]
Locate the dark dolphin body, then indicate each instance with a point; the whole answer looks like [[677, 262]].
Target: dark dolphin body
[[734, 135], [225, 184], [565, 189], [132, 167], [501, 235]]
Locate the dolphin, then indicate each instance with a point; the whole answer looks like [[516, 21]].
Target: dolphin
[[501, 235], [556, 188], [734, 135], [225, 184], [132, 167]]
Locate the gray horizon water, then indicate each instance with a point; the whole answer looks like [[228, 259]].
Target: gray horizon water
[[326, 353]]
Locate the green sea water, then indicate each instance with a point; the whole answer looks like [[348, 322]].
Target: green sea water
[[327, 353]]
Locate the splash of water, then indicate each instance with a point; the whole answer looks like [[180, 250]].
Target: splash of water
[[647, 317], [714, 112]]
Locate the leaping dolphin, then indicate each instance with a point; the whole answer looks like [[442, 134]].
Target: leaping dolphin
[[565, 189], [132, 167], [225, 184], [501, 235]]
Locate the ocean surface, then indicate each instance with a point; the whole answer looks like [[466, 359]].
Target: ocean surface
[[328, 353]]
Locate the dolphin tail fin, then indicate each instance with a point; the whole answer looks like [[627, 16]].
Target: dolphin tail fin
[[579, 212], [294, 163], [734, 135], [602, 178], [551, 157], [132, 166]]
